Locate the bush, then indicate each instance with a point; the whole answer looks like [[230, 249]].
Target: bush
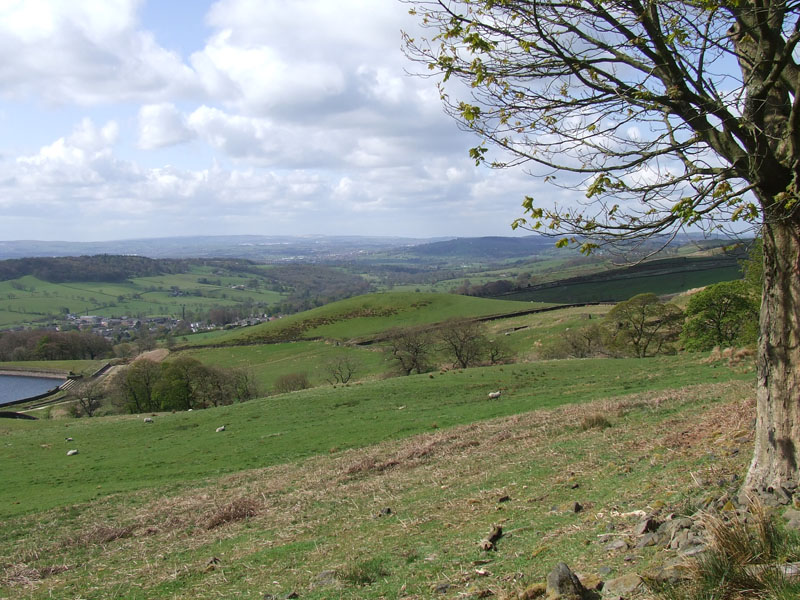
[[578, 342], [291, 382]]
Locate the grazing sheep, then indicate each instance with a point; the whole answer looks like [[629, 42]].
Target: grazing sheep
[[71, 452], [220, 429], [68, 439], [493, 395], [148, 420]]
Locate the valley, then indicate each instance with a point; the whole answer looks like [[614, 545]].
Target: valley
[[363, 482]]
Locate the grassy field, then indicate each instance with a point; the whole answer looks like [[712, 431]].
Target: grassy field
[[78, 367], [267, 362], [669, 281], [526, 334], [370, 491], [122, 453], [30, 300], [379, 488], [366, 316]]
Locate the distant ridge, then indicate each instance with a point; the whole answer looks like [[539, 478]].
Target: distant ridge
[[496, 247], [254, 247]]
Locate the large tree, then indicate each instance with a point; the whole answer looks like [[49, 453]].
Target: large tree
[[665, 114]]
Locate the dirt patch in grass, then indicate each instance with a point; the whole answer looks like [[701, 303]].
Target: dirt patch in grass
[[157, 355]]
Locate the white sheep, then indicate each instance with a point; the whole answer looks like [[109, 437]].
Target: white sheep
[[494, 395], [148, 420], [71, 452], [220, 429]]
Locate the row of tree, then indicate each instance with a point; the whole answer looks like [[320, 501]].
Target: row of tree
[[52, 345], [181, 384], [463, 342], [102, 267], [722, 315]]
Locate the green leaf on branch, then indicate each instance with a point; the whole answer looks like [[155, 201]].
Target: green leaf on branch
[[469, 112], [478, 154]]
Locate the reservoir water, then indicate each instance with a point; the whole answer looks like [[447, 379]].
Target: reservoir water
[[14, 387]]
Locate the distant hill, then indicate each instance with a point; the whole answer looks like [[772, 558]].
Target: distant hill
[[104, 267], [492, 248], [254, 247], [367, 316]]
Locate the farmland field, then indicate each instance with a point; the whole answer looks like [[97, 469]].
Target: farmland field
[[30, 300]]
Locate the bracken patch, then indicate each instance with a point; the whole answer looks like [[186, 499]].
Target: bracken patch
[[238, 510]]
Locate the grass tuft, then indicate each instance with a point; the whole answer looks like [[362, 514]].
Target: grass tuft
[[364, 572], [594, 422]]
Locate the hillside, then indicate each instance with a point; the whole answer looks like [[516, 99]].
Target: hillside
[[366, 316], [492, 248], [660, 276], [134, 287], [373, 490], [103, 268]]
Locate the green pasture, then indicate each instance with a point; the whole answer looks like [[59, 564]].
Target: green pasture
[[30, 300], [523, 334], [370, 315], [79, 367], [267, 362], [119, 454], [625, 288]]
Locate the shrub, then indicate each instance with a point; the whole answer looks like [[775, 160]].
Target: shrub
[[291, 382]]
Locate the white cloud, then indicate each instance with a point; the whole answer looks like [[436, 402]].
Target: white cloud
[[79, 159], [258, 80], [300, 116], [162, 125], [85, 52]]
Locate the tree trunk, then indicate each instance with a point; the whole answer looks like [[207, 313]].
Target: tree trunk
[[774, 469]]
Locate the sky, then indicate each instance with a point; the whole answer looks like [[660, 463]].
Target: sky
[[124, 119]]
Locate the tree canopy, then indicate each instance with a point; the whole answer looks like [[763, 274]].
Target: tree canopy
[[663, 113], [723, 314]]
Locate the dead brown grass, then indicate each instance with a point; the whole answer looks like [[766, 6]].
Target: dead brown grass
[[20, 574], [594, 422], [731, 356], [238, 510], [99, 535]]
